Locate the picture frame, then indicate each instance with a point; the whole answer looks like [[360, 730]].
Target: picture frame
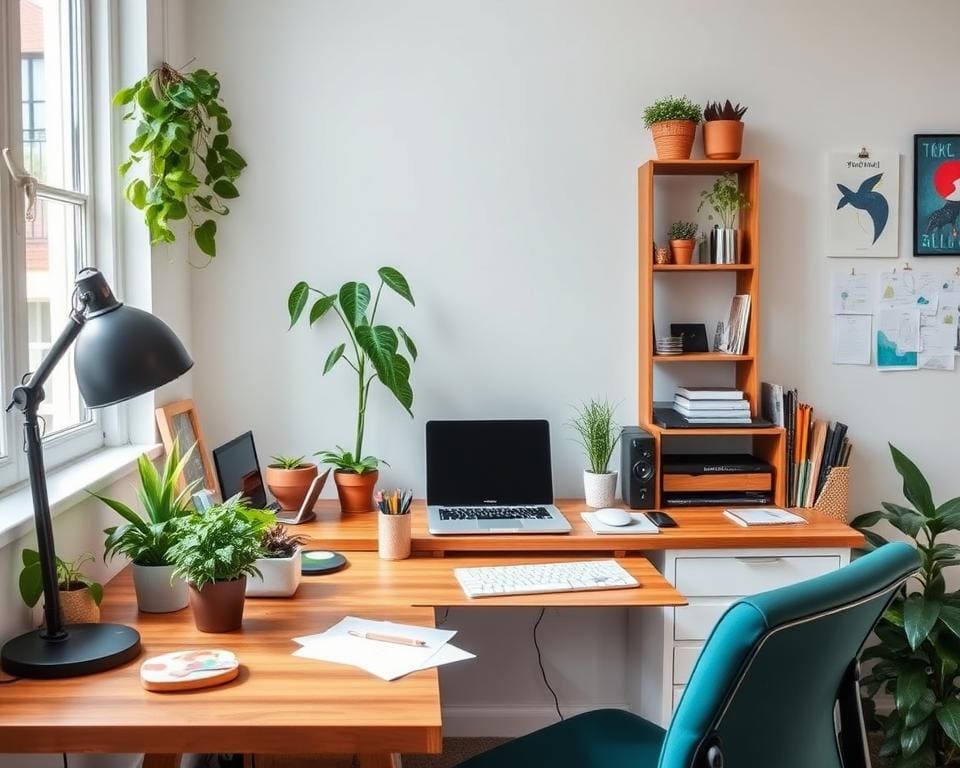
[[694, 336], [936, 194], [180, 420]]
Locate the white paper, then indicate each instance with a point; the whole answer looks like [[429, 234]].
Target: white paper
[[862, 204], [895, 290], [851, 294], [898, 339], [939, 341], [852, 339]]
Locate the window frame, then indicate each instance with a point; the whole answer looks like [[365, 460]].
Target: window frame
[[73, 442]]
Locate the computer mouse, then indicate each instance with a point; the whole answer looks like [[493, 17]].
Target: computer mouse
[[613, 516]]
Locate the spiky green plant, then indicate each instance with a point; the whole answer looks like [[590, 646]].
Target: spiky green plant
[[682, 230], [597, 432], [287, 462]]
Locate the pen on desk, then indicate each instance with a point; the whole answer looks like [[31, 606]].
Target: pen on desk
[[396, 639]]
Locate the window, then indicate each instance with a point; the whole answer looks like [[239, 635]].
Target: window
[[49, 233]]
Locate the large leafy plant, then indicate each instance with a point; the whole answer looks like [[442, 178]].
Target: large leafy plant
[[182, 130], [147, 541], [220, 544], [373, 354], [69, 577], [725, 198], [918, 657]]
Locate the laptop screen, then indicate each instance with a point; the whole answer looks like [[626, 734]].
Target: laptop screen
[[488, 462], [239, 471]]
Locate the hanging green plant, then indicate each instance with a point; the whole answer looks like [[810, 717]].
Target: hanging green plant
[[182, 130]]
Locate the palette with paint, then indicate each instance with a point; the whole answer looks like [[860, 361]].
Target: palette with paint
[[189, 670]]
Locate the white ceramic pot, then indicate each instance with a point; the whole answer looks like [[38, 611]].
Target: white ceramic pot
[[280, 577], [393, 540], [600, 490], [158, 590]]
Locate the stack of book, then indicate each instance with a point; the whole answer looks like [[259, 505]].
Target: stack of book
[[712, 405], [735, 335]]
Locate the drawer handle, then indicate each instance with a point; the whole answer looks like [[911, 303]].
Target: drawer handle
[[758, 560]]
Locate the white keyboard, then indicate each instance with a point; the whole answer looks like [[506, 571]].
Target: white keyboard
[[545, 577]]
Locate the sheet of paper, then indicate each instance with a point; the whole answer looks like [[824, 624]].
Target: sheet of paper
[[851, 294], [927, 292], [939, 341], [895, 291], [338, 650], [852, 339], [898, 339]]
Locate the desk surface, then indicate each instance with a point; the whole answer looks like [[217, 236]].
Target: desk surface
[[697, 529], [280, 703]]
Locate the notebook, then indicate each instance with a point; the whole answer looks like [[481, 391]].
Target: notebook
[[762, 516]]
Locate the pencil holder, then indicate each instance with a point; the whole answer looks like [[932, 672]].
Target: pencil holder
[[834, 499], [393, 542]]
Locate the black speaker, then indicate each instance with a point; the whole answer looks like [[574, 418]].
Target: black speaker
[[638, 468]]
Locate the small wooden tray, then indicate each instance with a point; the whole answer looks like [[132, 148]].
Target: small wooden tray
[[189, 670]]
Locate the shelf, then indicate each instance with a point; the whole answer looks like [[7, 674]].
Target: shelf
[[699, 167], [716, 431], [702, 357], [702, 267]]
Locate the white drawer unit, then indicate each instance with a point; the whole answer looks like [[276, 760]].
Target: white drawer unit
[[665, 643]]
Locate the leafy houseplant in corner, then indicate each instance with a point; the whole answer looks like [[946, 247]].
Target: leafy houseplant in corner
[[373, 355], [289, 479], [723, 130], [683, 239], [182, 132], [215, 552], [599, 435], [80, 596], [673, 123], [726, 200], [917, 661], [147, 542], [279, 565]]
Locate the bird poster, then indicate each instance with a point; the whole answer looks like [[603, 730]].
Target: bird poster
[[936, 206], [863, 205]]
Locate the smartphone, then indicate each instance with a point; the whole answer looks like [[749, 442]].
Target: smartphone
[[661, 520]]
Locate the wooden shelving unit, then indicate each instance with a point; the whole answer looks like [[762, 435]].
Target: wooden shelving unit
[[768, 442]]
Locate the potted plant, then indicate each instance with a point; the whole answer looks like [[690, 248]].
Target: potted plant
[[215, 551], [373, 355], [683, 239], [279, 564], [723, 130], [599, 435], [289, 479], [915, 663], [726, 201], [80, 596], [146, 542], [673, 123]]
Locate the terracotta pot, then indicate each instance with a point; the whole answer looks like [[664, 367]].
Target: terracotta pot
[[682, 251], [723, 139], [218, 605], [674, 139], [78, 607], [355, 491], [290, 486]]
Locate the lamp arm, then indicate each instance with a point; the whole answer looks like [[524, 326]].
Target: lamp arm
[[27, 398]]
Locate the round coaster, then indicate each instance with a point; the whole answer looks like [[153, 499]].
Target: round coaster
[[315, 562]]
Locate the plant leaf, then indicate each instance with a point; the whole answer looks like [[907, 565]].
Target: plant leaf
[[397, 282], [297, 301], [921, 710], [950, 616], [866, 520], [31, 583], [126, 95], [949, 718], [911, 683], [919, 616], [320, 307], [136, 193], [225, 189], [911, 739], [332, 358], [916, 489], [380, 344], [411, 347], [354, 300], [205, 235]]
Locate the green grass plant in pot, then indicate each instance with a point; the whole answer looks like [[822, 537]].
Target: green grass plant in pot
[[372, 351], [80, 596], [146, 540], [215, 552], [289, 479], [599, 435], [673, 123]]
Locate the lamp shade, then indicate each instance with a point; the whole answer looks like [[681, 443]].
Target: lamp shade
[[122, 351]]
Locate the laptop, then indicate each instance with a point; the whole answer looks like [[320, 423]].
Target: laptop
[[490, 477], [238, 472]]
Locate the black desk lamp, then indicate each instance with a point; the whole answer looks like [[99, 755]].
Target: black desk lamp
[[121, 352]]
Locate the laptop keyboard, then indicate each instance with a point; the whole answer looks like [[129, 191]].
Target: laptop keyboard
[[494, 513]]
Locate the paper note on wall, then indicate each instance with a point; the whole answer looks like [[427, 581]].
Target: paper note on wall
[[898, 339], [939, 341], [852, 339], [851, 294]]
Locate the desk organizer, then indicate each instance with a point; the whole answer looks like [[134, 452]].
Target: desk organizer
[[393, 540], [834, 499]]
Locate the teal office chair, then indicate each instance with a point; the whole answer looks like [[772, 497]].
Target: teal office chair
[[777, 669]]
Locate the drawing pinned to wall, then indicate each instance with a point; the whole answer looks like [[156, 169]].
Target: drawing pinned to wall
[[936, 199], [898, 339], [863, 204]]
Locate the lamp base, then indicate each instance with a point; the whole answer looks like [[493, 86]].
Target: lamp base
[[88, 648]]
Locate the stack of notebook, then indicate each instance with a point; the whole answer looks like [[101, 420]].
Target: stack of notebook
[[712, 405]]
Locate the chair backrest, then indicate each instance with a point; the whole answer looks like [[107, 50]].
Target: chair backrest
[[766, 687]]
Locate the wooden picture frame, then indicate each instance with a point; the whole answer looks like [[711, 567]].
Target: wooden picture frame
[[180, 420], [936, 194]]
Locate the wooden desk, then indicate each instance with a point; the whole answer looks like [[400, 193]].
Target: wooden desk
[[697, 529], [280, 703]]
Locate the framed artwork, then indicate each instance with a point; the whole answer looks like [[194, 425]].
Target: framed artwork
[[936, 194], [180, 421], [863, 204]]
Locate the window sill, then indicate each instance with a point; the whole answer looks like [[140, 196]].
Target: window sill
[[68, 485]]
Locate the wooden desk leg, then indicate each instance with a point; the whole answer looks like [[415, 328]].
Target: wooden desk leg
[[161, 761], [382, 760]]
